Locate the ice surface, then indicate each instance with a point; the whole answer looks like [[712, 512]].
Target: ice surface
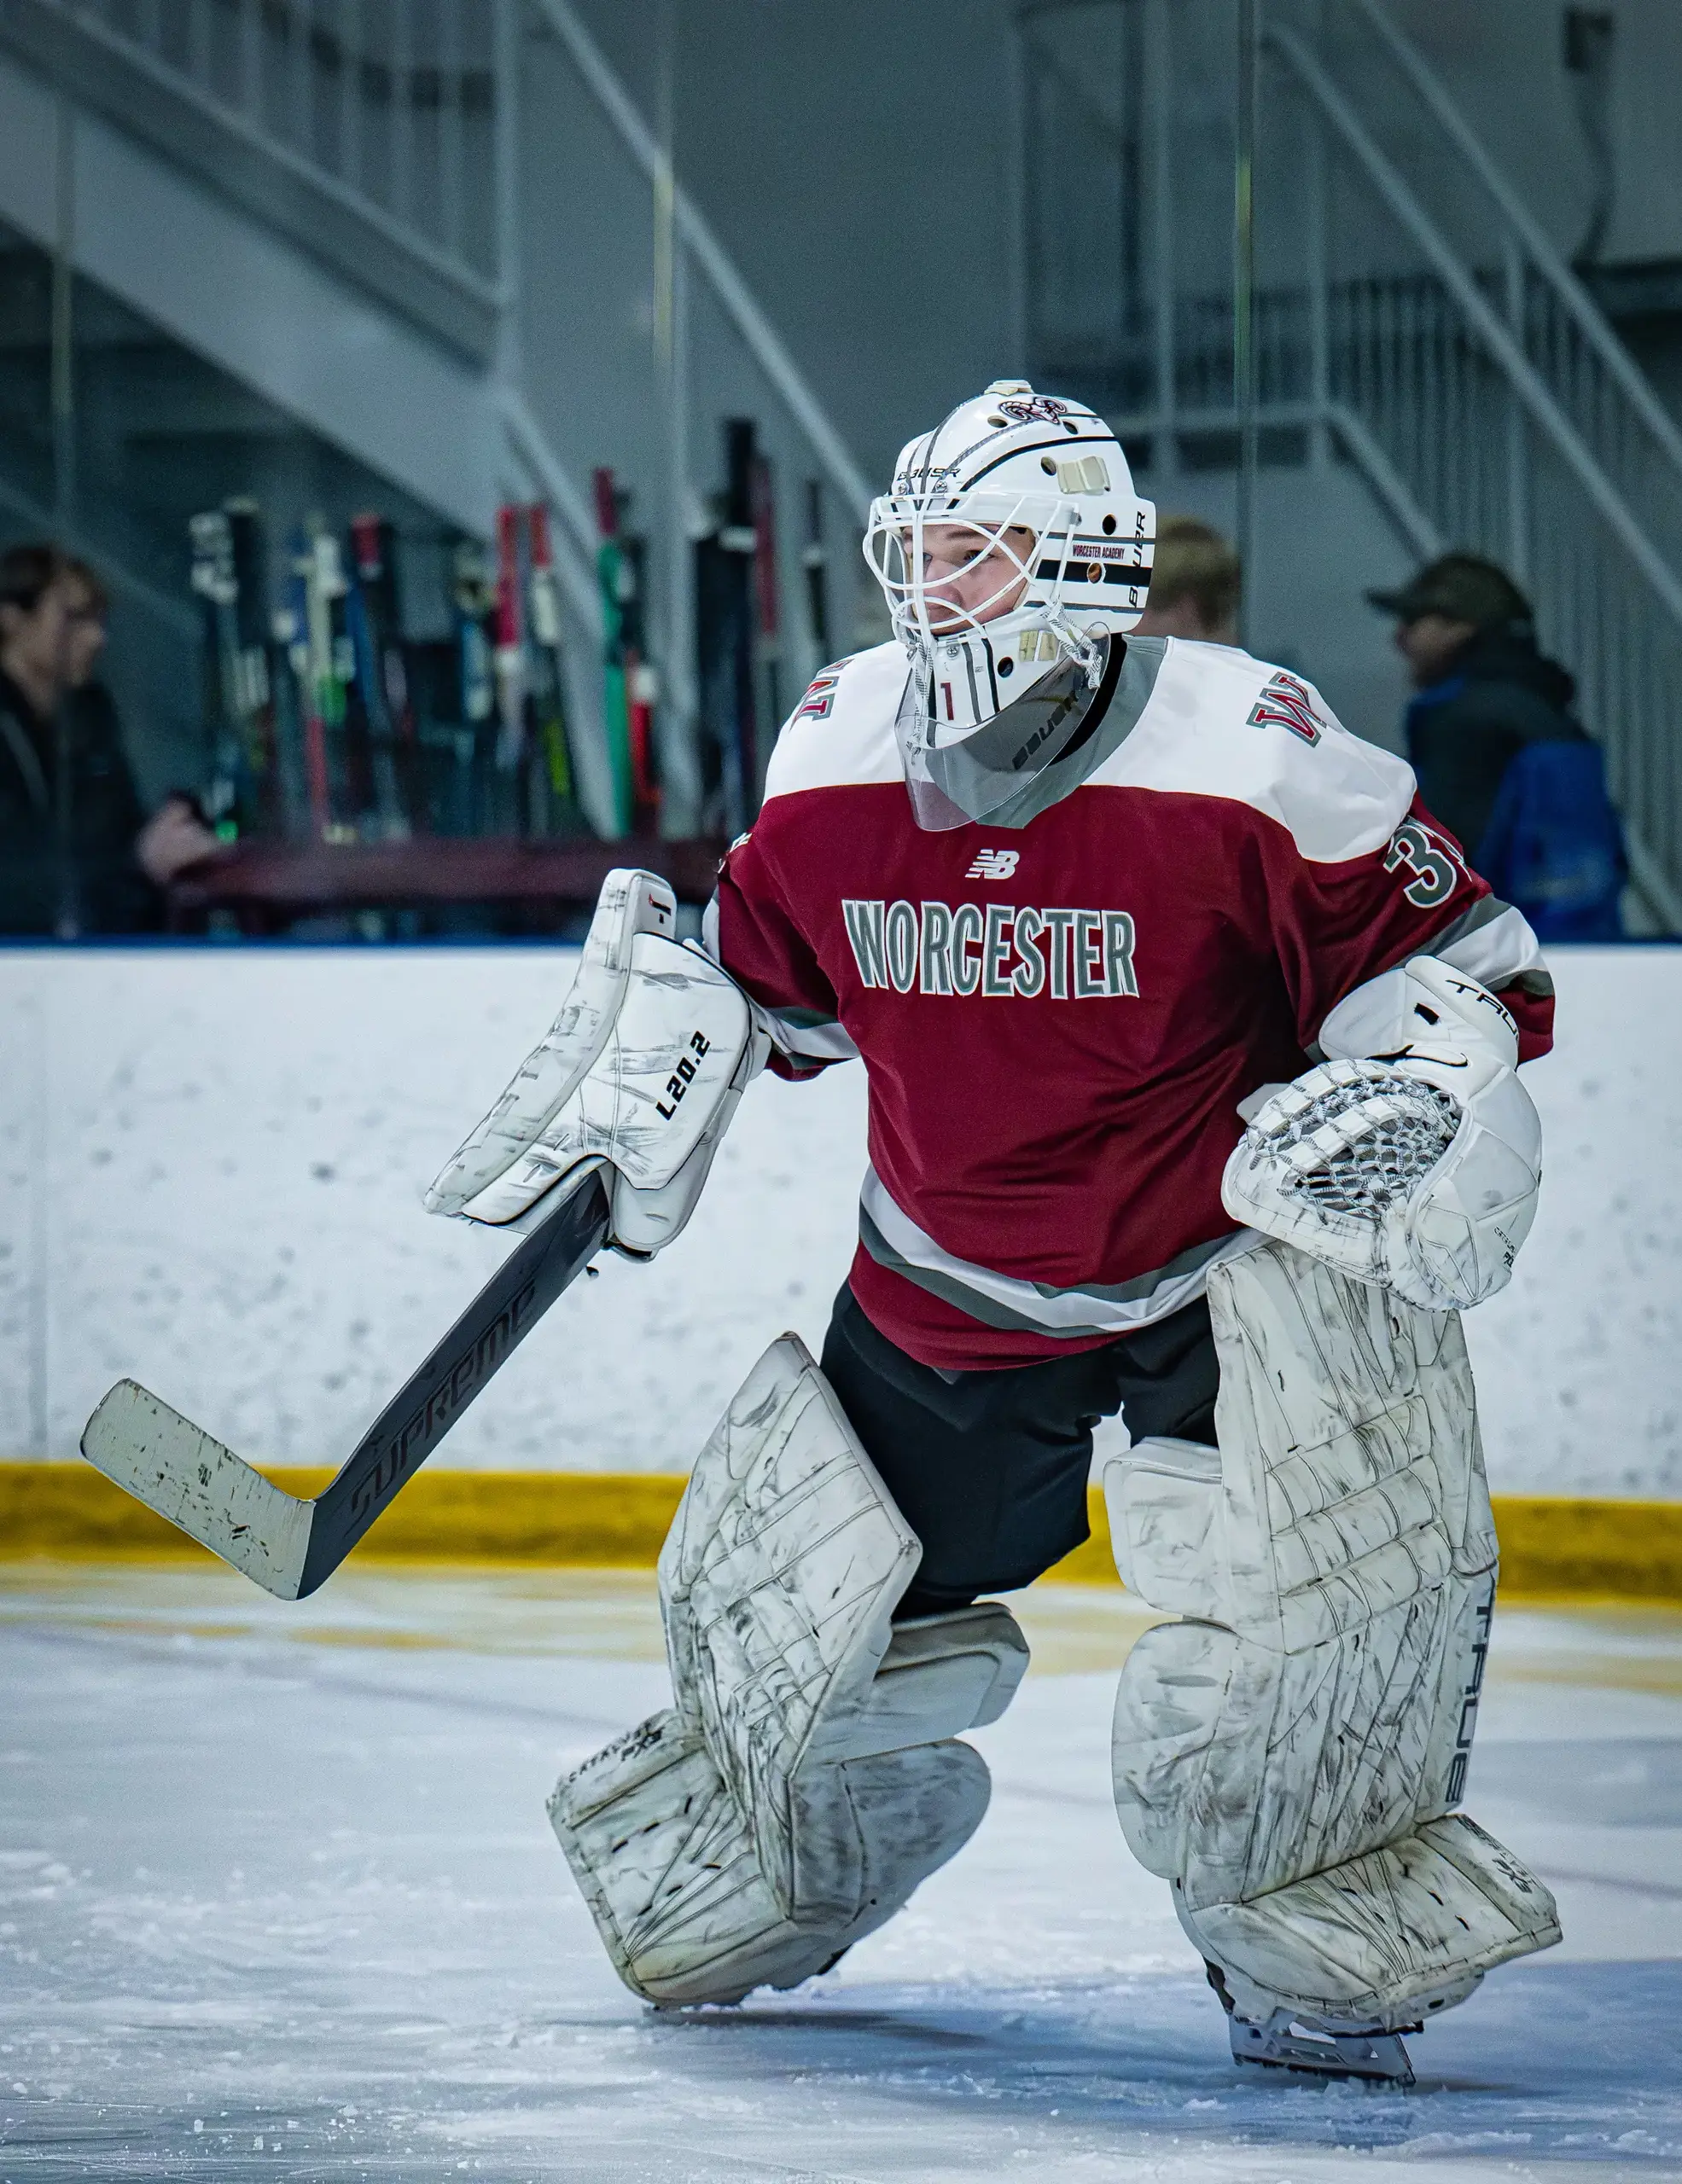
[[277, 1898]]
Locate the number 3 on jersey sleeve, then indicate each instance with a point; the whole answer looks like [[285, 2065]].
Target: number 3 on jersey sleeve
[[1436, 873]]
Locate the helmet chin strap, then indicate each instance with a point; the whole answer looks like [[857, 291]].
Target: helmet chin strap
[[1086, 652]]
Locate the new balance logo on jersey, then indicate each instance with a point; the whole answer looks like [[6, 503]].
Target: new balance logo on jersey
[[993, 864], [993, 949], [1285, 703]]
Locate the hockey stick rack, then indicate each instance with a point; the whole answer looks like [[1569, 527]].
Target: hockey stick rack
[[290, 1545]]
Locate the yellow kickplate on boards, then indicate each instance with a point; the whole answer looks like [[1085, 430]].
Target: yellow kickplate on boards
[[1552, 1545]]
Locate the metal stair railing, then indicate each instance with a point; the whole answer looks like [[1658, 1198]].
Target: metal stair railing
[[1500, 405], [711, 310], [1558, 325], [713, 262], [393, 125], [1414, 318], [384, 138]]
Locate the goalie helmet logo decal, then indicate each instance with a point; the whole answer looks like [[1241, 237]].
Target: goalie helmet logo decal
[[1032, 408]]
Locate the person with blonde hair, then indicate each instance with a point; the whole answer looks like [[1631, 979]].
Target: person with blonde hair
[[1196, 585]]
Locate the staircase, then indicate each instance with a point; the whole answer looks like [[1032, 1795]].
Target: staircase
[[1413, 323], [382, 228]]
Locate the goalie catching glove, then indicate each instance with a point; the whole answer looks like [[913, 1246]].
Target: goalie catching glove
[[1412, 1156], [640, 1072]]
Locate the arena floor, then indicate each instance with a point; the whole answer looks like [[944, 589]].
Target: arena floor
[[278, 1898]]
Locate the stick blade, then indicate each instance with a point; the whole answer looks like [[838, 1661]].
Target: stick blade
[[204, 1490]]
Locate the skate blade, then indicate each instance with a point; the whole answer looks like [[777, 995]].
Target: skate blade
[[1285, 2046]]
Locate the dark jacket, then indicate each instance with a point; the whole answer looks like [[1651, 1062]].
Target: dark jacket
[[1465, 732], [68, 863]]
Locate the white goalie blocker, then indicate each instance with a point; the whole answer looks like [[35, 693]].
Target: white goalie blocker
[[1290, 1755], [806, 1777], [641, 1073]]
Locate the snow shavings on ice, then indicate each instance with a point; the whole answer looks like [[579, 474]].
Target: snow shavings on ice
[[278, 1898]]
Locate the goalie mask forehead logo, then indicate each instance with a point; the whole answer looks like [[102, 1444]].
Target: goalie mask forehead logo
[[1032, 408]]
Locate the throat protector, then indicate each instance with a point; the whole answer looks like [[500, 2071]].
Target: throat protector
[[956, 780]]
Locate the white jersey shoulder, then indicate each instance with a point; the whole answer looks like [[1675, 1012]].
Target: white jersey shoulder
[[841, 732], [1218, 722]]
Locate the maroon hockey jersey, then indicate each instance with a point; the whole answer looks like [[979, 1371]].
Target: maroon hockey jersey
[[1059, 1008]]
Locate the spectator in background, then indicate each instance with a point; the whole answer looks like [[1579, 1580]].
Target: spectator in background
[[1195, 585], [1501, 758], [78, 853]]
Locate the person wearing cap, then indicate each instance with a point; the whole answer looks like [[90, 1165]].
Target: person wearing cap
[[1501, 760]]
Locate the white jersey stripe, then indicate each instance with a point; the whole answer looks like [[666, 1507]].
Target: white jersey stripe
[[808, 1042], [1493, 945]]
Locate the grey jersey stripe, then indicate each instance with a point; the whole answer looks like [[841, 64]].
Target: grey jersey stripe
[[802, 1034], [808, 1041], [894, 1241], [1492, 942]]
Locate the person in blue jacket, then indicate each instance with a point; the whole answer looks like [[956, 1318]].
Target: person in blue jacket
[[1502, 759]]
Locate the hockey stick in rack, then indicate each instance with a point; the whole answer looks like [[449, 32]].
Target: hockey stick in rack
[[290, 1545]]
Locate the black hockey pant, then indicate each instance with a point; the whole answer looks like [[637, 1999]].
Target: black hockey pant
[[989, 1469]]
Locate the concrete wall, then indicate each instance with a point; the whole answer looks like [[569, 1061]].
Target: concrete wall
[[1501, 62], [859, 164], [261, 308], [211, 1160]]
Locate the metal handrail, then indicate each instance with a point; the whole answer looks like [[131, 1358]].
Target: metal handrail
[[181, 84], [1479, 392], [1590, 322], [180, 620], [577, 548], [714, 261], [1521, 375]]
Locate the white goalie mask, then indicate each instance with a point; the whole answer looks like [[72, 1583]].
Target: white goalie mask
[[1011, 548]]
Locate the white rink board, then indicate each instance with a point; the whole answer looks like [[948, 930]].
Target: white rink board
[[211, 1161]]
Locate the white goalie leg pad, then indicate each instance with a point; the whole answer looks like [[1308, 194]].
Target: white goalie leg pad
[[807, 1779], [1288, 1755]]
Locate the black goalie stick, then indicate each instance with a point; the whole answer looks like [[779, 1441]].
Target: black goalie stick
[[287, 1546]]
